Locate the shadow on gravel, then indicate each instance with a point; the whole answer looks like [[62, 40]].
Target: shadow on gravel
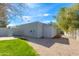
[[46, 42]]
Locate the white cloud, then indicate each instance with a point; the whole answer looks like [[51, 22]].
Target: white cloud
[[46, 14], [41, 15], [26, 18]]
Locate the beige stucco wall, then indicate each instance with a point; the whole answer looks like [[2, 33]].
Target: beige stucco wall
[[72, 35], [17, 31], [32, 29], [77, 34], [39, 30], [35, 29], [49, 31]]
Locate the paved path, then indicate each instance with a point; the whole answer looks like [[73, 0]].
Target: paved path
[[7, 38], [57, 47]]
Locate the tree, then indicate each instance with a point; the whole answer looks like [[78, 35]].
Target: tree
[[15, 11], [62, 20], [10, 11], [68, 18], [3, 18]]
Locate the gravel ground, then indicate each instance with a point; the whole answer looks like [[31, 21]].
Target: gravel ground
[[55, 47]]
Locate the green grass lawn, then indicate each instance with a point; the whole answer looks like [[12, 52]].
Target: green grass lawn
[[16, 47]]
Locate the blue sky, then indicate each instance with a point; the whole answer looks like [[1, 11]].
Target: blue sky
[[31, 12]]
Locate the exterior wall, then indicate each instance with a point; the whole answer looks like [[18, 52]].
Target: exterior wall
[[17, 31], [30, 30], [77, 35], [4, 32], [39, 30], [73, 35], [49, 31], [36, 30]]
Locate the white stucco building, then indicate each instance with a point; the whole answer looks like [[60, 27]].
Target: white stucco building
[[35, 29]]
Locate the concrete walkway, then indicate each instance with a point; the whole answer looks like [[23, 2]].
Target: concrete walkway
[[57, 47], [7, 38]]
